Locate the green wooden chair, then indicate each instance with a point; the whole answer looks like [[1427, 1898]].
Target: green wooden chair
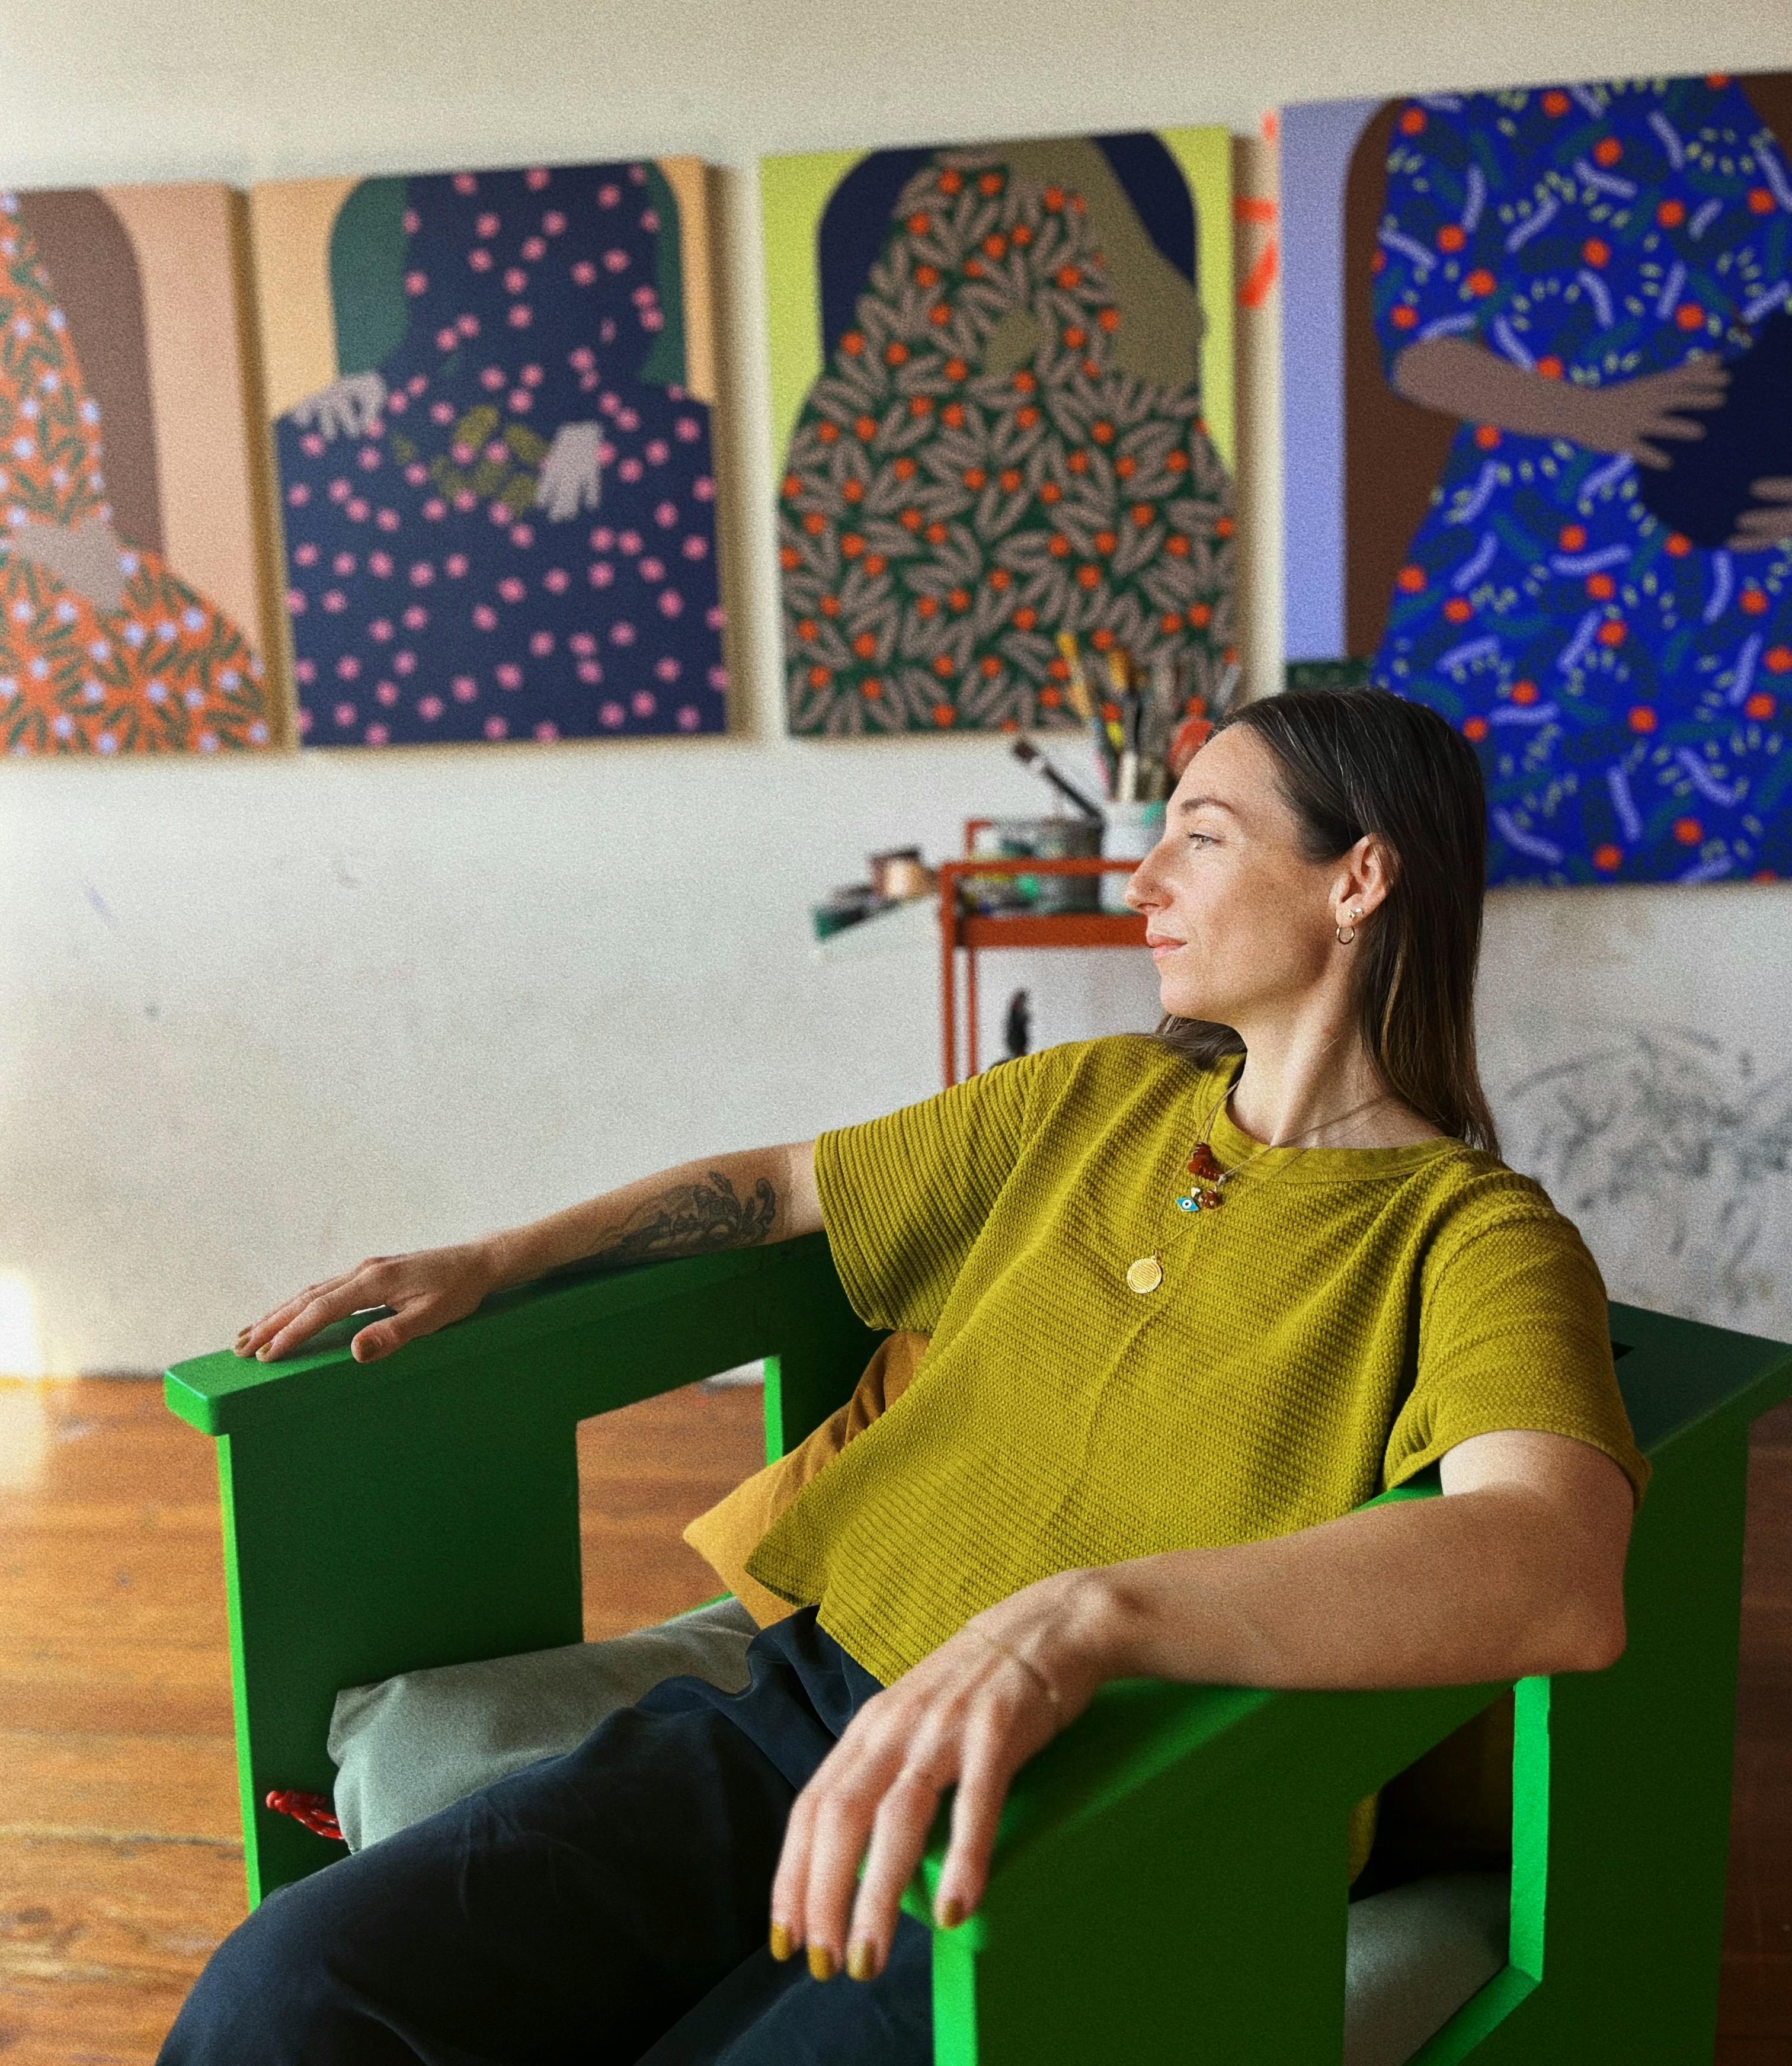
[[1169, 1881]]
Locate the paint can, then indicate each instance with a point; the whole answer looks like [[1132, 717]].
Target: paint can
[[1034, 839]]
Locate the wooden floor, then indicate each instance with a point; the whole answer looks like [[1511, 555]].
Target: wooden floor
[[119, 1866]]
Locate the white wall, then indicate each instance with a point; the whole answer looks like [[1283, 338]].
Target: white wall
[[258, 1019]]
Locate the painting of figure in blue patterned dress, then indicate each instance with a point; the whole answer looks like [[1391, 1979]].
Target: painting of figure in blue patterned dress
[[500, 514], [1568, 282]]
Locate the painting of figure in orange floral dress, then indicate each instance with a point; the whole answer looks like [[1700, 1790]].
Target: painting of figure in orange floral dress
[[1002, 391], [130, 575]]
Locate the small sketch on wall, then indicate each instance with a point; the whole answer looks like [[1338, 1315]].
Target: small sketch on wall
[[1670, 1150]]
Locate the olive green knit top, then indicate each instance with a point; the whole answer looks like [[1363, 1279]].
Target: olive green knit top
[[1345, 1319]]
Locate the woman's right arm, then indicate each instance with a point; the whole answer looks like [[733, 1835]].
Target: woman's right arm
[[1641, 416], [1464, 378], [740, 1201]]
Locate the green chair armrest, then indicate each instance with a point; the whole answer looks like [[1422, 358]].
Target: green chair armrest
[[423, 1509], [1174, 1862], [586, 1339], [1181, 1853], [1168, 1816]]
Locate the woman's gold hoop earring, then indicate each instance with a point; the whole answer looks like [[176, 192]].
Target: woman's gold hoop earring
[[1345, 938]]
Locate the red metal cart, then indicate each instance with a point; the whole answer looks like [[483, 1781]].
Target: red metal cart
[[971, 932]]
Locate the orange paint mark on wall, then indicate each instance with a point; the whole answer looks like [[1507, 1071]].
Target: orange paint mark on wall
[[1261, 278]]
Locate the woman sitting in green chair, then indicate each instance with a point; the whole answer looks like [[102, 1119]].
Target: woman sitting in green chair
[[1191, 1298]]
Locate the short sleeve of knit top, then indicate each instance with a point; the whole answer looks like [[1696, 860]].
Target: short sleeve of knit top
[[904, 1198]]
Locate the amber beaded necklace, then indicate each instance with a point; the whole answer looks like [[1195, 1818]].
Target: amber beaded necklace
[[1207, 1193]]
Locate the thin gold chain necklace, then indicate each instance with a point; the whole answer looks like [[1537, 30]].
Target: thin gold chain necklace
[[1206, 1194]]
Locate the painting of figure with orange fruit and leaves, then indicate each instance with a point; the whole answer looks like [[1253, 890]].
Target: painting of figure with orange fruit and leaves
[[1539, 455], [1002, 395], [132, 617]]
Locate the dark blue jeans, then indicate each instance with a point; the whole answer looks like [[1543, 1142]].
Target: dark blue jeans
[[608, 1905]]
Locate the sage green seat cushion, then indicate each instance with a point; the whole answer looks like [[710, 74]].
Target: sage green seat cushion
[[1414, 1954], [412, 1744]]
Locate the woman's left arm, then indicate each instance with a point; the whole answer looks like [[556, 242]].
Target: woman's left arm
[[1518, 1570]]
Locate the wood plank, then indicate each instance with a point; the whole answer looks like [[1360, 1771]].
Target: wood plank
[[1767, 1565], [140, 1785], [1773, 1429], [99, 1942], [643, 1473], [156, 1692], [85, 1906], [1756, 1996], [1759, 1913], [161, 1612], [70, 2023], [110, 1566]]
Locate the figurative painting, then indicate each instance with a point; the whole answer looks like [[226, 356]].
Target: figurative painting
[[132, 600], [1537, 369], [1002, 412], [490, 395]]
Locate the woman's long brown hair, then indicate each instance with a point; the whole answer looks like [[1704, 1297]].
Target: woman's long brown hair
[[1352, 761]]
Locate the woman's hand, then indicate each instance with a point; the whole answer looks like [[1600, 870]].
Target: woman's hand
[[1638, 417], [969, 1714], [1767, 521], [571, 479], [425, 1291], [347, 408], [86, 557]]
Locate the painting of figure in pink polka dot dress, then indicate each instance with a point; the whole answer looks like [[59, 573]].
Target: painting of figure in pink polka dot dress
[[498, 499]]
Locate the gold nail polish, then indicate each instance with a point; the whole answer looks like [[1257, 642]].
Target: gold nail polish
[[821, 1966], [951, 1914], [783, 1944], [861, 1961]]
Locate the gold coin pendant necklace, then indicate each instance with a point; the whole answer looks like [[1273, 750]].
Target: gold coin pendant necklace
[[1207, 1193]]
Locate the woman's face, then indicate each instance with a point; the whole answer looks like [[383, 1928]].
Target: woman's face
[[1241, 927]]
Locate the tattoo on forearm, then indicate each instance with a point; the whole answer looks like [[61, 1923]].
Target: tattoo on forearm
[[692, 1219]]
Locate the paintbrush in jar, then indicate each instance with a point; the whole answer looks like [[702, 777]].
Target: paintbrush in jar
[[1029, 757], [1083, 703], [1125, 724]]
